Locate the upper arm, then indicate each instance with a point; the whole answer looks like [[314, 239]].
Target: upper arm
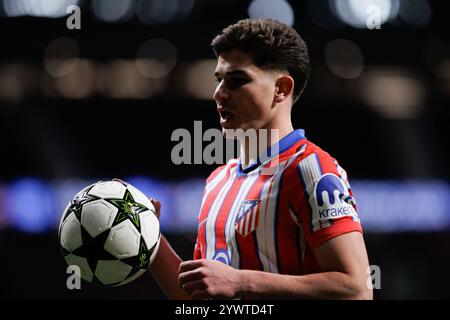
[[347, 254], [323, 199]]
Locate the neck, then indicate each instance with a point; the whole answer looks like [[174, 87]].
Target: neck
[[254, 145]]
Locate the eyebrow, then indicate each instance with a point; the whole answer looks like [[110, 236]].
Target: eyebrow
[[237, 72]]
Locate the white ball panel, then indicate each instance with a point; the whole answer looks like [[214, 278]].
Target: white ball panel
[[108, 189], [71, 233], [84, 190], [133, 277], [112, 271], [123, 240], [98, 216], [62, 218], [149, 228], [86, 272], [140, 197]]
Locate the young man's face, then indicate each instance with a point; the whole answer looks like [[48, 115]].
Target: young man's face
[[245, 93]]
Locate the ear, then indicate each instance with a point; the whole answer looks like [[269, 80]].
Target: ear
[[284, 86]]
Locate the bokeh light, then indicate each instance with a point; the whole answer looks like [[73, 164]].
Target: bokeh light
[[357, 12], [344, 58], [61, 56], [156, 58], [279, 10], [113, 10]]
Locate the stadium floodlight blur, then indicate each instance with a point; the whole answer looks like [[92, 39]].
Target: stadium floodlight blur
[[120, 79], [198, 79], [156, 12], [16, 81], [156, 58], [113, 10], [147, 11], [110, 11], [415, 12], [33, 205], [37, 8], [394, 93], [30, 205], [388, 206], [344, 58], [322, 16], [61, 56], [280, 10], [355, 12], [79, 84]]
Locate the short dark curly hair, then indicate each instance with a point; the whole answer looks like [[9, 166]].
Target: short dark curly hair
[[272, 45]]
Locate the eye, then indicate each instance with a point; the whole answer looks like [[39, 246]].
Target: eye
[[235, 83]]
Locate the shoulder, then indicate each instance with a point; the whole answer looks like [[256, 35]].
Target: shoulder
[[327, 195], [308, 156], [314, 164]]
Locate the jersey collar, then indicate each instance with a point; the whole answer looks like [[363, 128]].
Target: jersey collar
[[285, 143]]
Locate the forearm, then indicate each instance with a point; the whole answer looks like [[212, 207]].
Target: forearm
[[326, 285], [165, 271]]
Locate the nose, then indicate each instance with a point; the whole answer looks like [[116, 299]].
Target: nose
[[221, 95]]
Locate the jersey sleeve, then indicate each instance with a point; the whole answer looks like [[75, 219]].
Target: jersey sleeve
[[201, 231], [197, 251], [323, 202]]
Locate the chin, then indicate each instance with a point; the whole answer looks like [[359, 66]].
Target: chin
[[229, 124]]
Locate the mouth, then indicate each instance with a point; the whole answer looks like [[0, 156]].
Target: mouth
[[225, 115]]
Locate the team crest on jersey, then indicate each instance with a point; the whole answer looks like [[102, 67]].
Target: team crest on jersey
[[247, 219], [331, 201]]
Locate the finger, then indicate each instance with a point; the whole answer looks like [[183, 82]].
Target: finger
[[190, 265], [192, 286], [156, 204], [188, 276]]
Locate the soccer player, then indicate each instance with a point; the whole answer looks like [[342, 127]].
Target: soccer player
[[283, 227]]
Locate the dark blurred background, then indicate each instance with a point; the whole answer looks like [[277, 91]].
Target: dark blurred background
[[78, 106]]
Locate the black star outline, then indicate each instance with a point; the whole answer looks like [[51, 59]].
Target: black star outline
[[76, 205], [93, 248], [78, 201], [142, 259], [128, 209]]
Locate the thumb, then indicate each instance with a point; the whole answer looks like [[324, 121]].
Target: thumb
[[157, 206]]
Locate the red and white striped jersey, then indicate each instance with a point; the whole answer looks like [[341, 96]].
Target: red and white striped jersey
[[250, 219]]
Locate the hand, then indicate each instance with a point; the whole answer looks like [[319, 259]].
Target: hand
[[204, 279], [157, 206]]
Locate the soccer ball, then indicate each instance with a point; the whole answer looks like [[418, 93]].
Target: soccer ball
[[110, 231]]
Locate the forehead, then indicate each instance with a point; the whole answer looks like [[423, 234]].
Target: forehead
[[235, 60]]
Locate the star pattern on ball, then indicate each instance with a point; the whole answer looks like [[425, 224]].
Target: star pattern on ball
[[78, 201], [116, 211], [93, 248], [128, 209], [141, 260]]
